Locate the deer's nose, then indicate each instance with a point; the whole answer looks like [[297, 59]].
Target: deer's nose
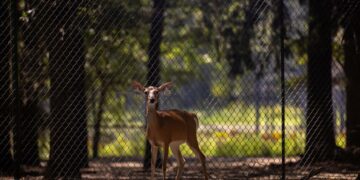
[[152, 100]]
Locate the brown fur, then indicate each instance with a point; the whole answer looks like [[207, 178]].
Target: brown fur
[[169, 126], [181, 123]]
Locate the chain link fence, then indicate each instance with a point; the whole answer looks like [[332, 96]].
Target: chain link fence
[[68, 109]]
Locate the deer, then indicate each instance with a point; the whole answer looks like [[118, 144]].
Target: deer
[[169, 128]]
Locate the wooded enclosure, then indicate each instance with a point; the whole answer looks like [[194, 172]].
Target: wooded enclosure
[[275, 86]]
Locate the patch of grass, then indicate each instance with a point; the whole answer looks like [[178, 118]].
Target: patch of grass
[[240, 113], [252, 145], [44, 144], [217, 144], [242, 145], [341, 140]]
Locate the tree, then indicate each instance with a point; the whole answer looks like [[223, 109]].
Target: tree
[[109, 38], [320, 137], [102, 101], [153, 76], [352, 71], [5, 111], [238, 34], [231, 27], [31, 82], [68, 136]]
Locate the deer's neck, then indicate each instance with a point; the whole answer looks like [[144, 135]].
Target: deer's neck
[[151, 115]]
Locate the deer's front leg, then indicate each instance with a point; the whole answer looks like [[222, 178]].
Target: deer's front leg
[[154, 150]]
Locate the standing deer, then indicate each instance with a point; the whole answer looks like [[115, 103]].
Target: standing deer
[[169, 128]]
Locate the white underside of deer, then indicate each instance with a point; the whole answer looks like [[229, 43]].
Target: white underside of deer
[[169, 128]]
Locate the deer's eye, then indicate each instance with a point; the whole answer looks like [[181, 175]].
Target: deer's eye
[[146, 93]]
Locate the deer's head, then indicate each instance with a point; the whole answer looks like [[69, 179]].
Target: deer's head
[[151, 92]]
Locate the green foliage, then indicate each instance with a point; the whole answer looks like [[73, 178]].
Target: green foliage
[[220, 89], [131, 143], [299, 50]]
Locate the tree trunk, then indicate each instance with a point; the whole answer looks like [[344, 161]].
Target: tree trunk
[[239, 52], [258, 100], [30, 78], [6, 160], [352, 70], [153, 76], [97, 132], [320, 136], [68, 137]]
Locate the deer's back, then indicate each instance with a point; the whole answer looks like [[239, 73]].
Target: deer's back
[[178, 123]]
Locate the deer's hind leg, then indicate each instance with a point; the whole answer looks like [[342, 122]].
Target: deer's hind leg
[[166, 153], [180, 160], [194, 146]]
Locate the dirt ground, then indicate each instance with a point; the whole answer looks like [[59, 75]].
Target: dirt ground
[[218, 168]]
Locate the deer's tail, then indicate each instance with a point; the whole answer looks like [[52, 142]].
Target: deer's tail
[[196, 119]]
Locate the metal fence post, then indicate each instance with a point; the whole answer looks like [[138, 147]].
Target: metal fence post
[[282, 54]]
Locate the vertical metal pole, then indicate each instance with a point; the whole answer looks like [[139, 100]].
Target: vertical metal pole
[[15, 80], [282, 54]]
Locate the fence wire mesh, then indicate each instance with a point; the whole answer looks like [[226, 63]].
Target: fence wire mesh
[[68, 108]]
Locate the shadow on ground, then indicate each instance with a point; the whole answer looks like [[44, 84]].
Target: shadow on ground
[[218, 168]]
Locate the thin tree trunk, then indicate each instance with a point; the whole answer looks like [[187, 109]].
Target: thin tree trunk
[[239, 52], [258, 100], [68, 136], [97, 132], [320, 135], [153, 77], [6, 160], [30, 78]]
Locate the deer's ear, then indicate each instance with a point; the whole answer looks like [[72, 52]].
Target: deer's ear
[[138, 86], [165, 86]]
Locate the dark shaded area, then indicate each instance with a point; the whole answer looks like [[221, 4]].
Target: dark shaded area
[[320, 137], [247, 168], [352, 70], [6, 160], [68, 135]]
